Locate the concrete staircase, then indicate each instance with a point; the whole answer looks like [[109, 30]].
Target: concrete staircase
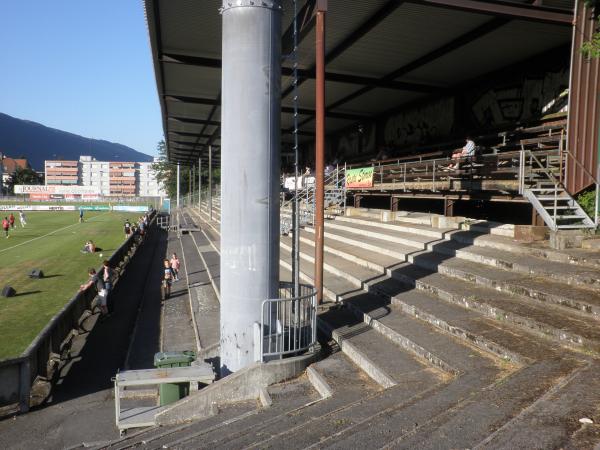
[[432, 338]]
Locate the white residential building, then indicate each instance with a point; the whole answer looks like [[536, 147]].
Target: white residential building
[[108, 178]]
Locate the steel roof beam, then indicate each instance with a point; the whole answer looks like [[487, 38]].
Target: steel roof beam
[[306, 23], [353, 37], [460, 41], [511, 10], [285, 109], [196, 121], [308, 74]]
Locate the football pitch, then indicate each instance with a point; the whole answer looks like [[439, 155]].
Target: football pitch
[[51, 241]]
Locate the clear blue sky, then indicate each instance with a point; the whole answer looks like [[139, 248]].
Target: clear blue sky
[[82, 66]]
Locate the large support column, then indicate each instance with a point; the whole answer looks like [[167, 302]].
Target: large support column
[[320, 149], [250, 158], [177, 201]]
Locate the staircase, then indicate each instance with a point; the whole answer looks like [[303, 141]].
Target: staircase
[[334, 201], [541, 185], [434, 338]]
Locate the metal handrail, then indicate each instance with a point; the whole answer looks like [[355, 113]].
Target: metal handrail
[[288, 324]]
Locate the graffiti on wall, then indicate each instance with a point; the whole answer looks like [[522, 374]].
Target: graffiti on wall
[[357, 142], [521, 101], [421, 124]]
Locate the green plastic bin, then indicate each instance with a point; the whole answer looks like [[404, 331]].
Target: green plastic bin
[[171, 392]]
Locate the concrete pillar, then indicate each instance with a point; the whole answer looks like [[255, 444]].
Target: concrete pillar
[[250, 158]]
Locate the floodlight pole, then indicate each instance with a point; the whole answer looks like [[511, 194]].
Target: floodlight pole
[[320, 148], [178, 185]]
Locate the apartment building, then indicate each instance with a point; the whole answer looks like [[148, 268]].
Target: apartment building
[[148, 185], [62, 172], [108, 178]]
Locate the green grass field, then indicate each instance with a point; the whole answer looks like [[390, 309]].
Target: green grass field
[[51, 242]]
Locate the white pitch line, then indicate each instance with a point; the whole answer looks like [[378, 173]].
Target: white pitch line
[[48, 234]]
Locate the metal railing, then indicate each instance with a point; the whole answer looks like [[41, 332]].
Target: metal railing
[[288, 324]]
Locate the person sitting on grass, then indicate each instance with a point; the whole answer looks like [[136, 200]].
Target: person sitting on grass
[[89, 247], [98, 282]]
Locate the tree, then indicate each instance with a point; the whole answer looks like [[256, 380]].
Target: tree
[[23, 176], [591, 48], [166, 173]]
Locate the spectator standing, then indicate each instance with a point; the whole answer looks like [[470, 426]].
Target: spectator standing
[[22, 219], [5, 226], [108, 276], [167, 280], [175, 264], [11, 220], [98, 282], [127, 228]]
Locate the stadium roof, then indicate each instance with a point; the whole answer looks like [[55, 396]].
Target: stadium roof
[[380, 55]]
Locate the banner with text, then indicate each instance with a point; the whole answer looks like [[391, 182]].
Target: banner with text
[[359, 178], [36, 208], [55, 189]]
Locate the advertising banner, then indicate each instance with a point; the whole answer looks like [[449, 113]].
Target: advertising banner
[[128, 208], [288, 183], [54, 189], [94, 208], [359, 178], [36, 208]]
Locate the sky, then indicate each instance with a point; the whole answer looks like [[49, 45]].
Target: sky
[[82, 66]]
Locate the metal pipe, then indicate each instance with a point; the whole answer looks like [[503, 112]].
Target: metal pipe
[[250, 158], [210, 209], [178, 170], [296, 200], [320, 148], [597, 196], [199, 183]]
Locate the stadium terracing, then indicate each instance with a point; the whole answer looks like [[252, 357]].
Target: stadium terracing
[[384, 92]]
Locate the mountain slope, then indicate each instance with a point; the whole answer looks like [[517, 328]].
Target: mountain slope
[[37, 143]]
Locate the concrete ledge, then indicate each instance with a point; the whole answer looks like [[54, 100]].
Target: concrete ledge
[[319, 383], [359, 358], [264, 397], [239, 386], [404, 342]]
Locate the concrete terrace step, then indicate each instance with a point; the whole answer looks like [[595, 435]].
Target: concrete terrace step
[[453, 356], [544, 320], [542, 289], [566, 273], [422, 230], [387, 363], [333, 264], [375, 261], [369, 243], [307, 425], [334, 287], [299, 392], [373, 231]]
